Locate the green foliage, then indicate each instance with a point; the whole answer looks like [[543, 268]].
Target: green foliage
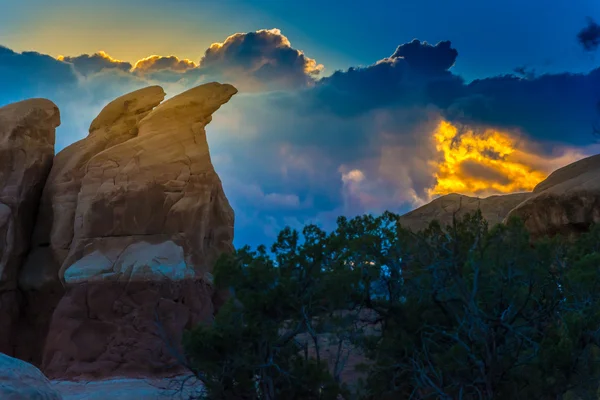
[[460, 312]]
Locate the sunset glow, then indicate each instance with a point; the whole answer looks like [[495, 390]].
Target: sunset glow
[[482, 162], [101, 53]]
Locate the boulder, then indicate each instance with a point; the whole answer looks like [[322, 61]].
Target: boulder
[[22, 381], [565, 203], [493, 208], [143, 220], [27, 132]]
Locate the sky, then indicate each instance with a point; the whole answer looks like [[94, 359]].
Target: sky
[[343, 108]]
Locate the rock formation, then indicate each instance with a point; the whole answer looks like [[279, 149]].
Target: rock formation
[[53, 233], [566, 203], [135, 215], [20, 380], [27, 131], [130, 221], [493, 209]]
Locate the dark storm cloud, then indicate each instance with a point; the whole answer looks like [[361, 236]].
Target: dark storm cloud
[[415, 74], [558, 107], [589, 37], [426, 58], [554, 107], [87, 64], [359, 90], [264, 58]]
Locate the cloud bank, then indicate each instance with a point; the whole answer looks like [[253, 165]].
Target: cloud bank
[[159, 63], [87, 64], [292, 148], [260, 60]]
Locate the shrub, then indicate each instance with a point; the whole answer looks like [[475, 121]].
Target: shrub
[[458, 312]]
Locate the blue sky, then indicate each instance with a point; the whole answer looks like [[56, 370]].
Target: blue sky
[[338, 112], [493, 37]]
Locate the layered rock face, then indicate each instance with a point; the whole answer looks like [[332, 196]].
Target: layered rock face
[[27, 131], [131, 220], [493, 208], [566, 203], [53, 233]]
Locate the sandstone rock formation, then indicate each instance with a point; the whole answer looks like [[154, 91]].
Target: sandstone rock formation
[[53, 233], [493, 209], [22, 381], [150, 218], [27, 131], [130, 222], [566, 203]]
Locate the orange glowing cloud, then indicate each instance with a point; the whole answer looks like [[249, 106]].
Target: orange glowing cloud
[[100, 54], [157, 63], [89, 64], [482, 163]]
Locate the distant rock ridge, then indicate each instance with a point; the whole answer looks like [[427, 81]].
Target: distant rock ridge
[[493, 208], [565, 203], [130, 221]]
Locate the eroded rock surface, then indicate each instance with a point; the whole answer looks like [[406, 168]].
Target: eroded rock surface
[[566, 203], [116, 123], [53, 234], [27, 132], [22, 381], [493, 208], [135, 219]]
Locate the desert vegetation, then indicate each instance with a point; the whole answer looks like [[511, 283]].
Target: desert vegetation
[[465, 311]]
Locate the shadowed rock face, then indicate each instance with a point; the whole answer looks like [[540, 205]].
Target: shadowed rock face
[[131, 220], [566, 203], [494, 209], [27, 130]]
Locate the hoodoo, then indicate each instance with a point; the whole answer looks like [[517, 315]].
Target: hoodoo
[[130, 221]]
